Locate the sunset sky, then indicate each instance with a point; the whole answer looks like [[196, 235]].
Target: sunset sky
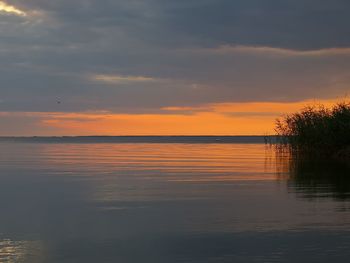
[[167, 67]]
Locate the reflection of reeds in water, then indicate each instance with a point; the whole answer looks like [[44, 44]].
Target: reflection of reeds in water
[[313, 177]]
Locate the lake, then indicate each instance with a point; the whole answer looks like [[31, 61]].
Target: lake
[[177, 201]]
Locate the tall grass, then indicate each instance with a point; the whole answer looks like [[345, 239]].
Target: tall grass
[[317, 130]]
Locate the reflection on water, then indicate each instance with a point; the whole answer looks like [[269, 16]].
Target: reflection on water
[[20, 251], [316, 178], [169, 203]]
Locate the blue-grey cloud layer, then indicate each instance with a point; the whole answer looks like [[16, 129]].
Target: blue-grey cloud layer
[[192, 49]]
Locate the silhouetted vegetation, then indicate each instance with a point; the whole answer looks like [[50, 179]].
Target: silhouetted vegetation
[[317, 130]]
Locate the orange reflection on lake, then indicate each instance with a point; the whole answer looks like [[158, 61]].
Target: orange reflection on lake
[[169, 162]]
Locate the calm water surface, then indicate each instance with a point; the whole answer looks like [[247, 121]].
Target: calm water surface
[[150, 203]]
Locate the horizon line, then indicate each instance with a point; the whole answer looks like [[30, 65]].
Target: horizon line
[[86, 136]]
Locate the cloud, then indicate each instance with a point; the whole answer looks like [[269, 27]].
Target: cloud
[[303, 25], [4, 7], [35, 80], [118, 79], [272, 51]]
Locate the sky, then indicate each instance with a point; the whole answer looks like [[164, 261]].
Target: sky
[[165, 67]]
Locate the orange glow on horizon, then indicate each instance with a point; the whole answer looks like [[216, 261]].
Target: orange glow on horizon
[[217, 119], [125, 124], [213, 119]]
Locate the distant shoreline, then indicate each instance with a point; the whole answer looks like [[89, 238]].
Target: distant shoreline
[[140, 139]]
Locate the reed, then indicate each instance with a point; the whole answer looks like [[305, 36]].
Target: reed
[[317, 130]]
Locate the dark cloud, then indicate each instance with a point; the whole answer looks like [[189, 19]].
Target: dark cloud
[[301, 24], [56, 50]]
